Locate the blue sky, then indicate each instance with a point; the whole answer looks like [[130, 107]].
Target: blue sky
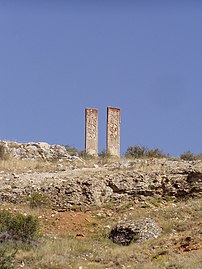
[[59, 57]]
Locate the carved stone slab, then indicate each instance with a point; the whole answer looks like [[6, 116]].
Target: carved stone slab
[[113, 131], [91, 131]]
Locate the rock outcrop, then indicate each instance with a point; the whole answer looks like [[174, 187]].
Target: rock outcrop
[[124, 180], [33, 151]]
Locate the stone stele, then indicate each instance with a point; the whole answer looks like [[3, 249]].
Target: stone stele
[[113, 131], [91, 131]]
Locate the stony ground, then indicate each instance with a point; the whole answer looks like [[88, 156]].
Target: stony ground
[[78, 202], [73, 184]]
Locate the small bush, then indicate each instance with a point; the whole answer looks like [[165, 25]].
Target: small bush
[[38, 199], [189, 156], [6, 258], [155, 153], [18, 226], [141, 152], [135, 152]]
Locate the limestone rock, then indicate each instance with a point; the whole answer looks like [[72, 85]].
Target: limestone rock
[[127, 231], [32, 150], [97, 185]]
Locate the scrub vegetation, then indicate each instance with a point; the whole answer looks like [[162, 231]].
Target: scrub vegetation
[[79, 239], [143, 152], [35, 236]]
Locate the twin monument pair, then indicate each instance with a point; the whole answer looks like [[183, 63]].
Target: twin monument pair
[[113, 131]]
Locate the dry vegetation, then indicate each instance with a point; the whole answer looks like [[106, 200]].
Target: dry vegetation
[[21, 166], [78, 238]]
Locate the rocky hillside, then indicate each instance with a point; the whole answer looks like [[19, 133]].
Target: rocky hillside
[[99, 213], [96, 182]]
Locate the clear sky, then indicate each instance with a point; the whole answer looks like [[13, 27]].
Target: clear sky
[[58, 57]]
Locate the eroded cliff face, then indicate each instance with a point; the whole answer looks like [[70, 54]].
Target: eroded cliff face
[[118, 181]]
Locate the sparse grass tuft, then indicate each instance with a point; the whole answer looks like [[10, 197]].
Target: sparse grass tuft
[[4, 155], [26, 165], [72, 150], [104, 157], [38, 200], [86, 156]]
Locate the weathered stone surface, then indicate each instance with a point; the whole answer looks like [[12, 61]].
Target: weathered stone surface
[[113, 131], [33, 151], [121, 181], [127, 231], [91, 131]]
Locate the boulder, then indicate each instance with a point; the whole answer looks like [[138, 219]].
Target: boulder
[[137, 231]]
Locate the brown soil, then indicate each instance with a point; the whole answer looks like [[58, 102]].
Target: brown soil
[[58, 224], [68, 223]]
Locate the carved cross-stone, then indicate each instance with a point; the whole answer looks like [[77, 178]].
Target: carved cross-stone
[[113, 131], [91, 131]]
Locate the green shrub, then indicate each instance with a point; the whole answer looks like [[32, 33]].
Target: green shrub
[[38, 199], [18, 226], [155, 153], [6, 258], [141, 152], [135, 152], [189, 156]]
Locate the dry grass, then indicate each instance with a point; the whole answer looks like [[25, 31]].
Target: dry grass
[[179, 246], [25, 165], [13, 165], [21, 166]]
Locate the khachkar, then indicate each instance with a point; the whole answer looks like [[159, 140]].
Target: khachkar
[[91, 131], [113, 131]]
